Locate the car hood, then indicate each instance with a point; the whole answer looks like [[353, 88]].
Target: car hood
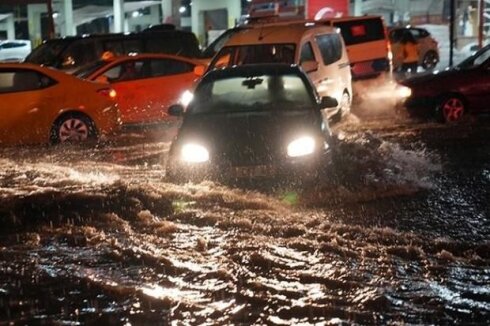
[[248, 137], [439, 78]]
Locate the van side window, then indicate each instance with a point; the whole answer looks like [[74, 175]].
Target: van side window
[[330, 47], [306, 53]]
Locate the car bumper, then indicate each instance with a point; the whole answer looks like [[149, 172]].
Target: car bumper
[[420, 106], [298, 168]]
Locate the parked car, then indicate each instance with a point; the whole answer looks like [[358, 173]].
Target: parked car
[[426, 44], [146, 84], [42, 105], [319, 49], [14, 50], [450, 94], [71, 53], [252, 121]]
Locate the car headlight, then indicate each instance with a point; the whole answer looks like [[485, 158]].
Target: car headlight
[[404, 91], [194, 153], [186, 98], [301, 146]]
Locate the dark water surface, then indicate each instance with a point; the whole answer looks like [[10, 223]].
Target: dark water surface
[[398, 232]]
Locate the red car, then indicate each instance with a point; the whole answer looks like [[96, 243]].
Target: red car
[[146, 84], [448, 95]]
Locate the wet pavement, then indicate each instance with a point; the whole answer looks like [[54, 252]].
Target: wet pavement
[[397, 232]]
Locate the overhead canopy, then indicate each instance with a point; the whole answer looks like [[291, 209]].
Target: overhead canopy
[[89, 13]]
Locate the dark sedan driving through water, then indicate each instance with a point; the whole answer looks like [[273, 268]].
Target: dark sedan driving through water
[[449, 95], [250, 122]]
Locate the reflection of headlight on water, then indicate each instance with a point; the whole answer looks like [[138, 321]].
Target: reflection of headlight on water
[[194, 153], [186, 98], [301, 146]]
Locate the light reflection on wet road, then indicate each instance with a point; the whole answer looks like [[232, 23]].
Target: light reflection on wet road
[[399, 233]]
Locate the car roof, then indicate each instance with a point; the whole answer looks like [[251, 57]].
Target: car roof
[[152, 56], [51, 72], [276, 33]]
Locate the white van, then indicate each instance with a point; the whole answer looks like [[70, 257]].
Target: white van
[[318, 49]]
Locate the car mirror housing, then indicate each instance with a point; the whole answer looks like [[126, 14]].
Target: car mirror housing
[[328, 102], [176, 110], [309, 66]]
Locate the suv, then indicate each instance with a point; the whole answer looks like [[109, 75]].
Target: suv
[[71, 53], [427, 45]]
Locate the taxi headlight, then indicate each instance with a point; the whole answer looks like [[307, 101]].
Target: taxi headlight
[[301, 146], [194, 153]]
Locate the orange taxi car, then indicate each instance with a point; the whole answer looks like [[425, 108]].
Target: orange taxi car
[[43, 105], [146, 84]]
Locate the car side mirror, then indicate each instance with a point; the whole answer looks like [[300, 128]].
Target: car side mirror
[[176, 110], [328, 102], [309, 66], [199, 70], [102, 79]]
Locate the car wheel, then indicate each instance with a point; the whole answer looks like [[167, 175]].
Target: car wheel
[[430, 60], [451, 109], [73, 128]]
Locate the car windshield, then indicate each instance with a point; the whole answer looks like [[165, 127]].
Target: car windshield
[[253, 54], [477, 59], [48, 52], [87, 70], [252, 93]]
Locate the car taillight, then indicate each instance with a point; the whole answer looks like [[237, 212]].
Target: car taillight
[[109, 92]]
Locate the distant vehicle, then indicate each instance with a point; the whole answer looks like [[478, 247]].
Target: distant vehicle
[[252, 121], [146, 84], [71, 53], [427, 45], [450, 94], [319, 49], [14, 50], [42, 105], [367, 44]]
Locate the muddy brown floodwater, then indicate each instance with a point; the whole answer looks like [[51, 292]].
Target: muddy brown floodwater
[[397, 232]]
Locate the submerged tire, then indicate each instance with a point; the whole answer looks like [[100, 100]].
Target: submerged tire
[[73, 128]]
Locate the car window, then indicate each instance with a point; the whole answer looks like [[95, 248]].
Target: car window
[[360, 31], [12, 45], [416, 33], [307, 53], [167, 67], [253, 93], [23, 80], [424, 33], [125, 71], [330, 47], [48, 52], [78, 53], [477, 59], [253, 54]]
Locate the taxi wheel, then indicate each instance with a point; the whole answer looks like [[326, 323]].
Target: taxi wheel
[[73, 128]]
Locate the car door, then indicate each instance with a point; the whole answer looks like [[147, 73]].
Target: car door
[[128, 80], [22, 100], [169, 78]]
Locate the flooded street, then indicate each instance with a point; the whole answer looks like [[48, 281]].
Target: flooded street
[[397, 232]]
